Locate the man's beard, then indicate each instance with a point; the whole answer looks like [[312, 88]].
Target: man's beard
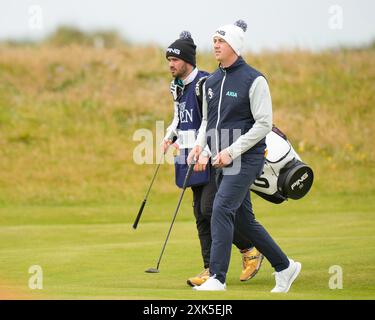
[[182, 73]]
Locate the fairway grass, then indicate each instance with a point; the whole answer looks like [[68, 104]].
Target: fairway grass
[[97, 255]]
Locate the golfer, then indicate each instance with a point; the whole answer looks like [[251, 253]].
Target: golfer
[[181, 56], [236, 99]]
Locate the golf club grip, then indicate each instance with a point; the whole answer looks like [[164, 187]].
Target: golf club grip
[[188, 175], [139, 214]]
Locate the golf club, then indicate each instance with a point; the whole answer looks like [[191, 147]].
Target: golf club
[[188, 174], [136, 221]]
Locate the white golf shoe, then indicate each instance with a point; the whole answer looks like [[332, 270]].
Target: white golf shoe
[[285, 278], [212, 284]]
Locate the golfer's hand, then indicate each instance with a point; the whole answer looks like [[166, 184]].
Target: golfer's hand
[[222, 160], [201, 163], [194, 154], [165, 145]]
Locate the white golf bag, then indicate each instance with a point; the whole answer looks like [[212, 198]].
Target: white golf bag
[[284, 174]]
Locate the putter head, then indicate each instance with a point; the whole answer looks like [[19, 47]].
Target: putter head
[[152, 270]]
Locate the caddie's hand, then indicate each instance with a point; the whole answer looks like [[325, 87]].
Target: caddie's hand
[[202, 163], [194, 154], [223, 159], [165, 145], [176, 146]]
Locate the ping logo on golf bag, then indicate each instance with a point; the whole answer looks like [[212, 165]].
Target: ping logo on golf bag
[[175, 51], [300, 181]]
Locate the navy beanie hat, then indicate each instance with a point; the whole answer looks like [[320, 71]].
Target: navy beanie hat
[[183, 48]]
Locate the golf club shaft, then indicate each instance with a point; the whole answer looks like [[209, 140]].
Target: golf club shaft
[[188, 174], [136, 221]]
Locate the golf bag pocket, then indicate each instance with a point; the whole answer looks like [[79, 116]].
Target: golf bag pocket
[[295, 180], [181, 169], [284, 175]]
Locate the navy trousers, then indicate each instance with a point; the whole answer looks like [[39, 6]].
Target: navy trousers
[[232, 211], [203, 203]]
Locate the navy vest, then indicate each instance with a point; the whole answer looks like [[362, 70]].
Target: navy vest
[[229, 114], [189, 112], [190, 118]]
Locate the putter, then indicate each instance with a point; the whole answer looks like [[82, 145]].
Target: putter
[[187, 177], [136, 221]]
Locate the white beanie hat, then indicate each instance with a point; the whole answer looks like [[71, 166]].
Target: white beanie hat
[[233, 34]]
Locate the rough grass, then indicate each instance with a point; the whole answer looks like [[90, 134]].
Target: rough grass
[[68, 116]]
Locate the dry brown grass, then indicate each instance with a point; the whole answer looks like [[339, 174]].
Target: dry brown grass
[[67, 116]]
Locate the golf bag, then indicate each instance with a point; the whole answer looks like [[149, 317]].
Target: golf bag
[[284, 174]]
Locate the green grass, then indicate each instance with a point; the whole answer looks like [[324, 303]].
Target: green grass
[[93, 253]]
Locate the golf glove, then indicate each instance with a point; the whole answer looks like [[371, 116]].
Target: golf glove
[[177, 89]]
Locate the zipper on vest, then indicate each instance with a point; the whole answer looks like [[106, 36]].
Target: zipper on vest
[[218, 111]]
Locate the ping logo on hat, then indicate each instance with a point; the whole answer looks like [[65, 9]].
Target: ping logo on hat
[[183, 48], [233, 34], [175, 51]]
